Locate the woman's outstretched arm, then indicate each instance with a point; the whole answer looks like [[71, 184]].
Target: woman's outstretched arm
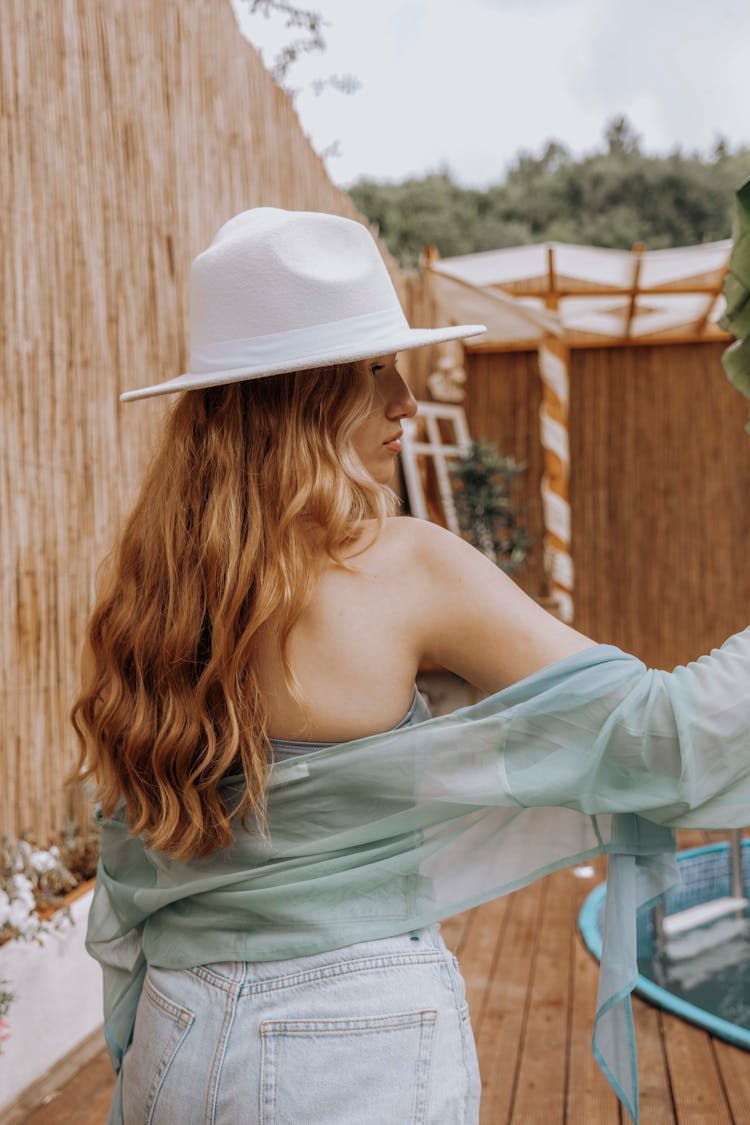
[[604, 736]]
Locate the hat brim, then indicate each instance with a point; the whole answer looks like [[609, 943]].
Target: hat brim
[[396, 342]]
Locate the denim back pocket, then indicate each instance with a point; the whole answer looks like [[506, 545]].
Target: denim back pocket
[[160, 1030], [349, 1071]]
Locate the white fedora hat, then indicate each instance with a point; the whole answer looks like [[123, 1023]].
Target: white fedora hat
[[285, 290]]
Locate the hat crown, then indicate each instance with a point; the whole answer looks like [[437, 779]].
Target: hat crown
[[270, 271], [279, 291]]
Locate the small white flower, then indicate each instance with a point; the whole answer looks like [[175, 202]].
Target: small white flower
[[21, 890], [19, 915], [42, 861]]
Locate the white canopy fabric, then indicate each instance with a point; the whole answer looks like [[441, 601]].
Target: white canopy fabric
[[585, 294]]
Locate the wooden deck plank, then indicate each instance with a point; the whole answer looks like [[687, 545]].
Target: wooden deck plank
[[479, 955], [501, 1032], [542, 1072], [656, 1103], [589, 1096], [697, 1086], [734, 1066], [454, 930], [83, 1100]]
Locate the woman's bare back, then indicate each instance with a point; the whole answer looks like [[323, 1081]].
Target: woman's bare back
[[354, 650], [416, 591]]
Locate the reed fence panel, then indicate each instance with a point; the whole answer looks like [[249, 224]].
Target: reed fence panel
[[129, 131]]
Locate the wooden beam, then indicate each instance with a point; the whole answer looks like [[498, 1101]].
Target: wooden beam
[[541, 321], [430, 255], [551, 298], [638, 250], [602, 342], [524, 289], [702, 321]]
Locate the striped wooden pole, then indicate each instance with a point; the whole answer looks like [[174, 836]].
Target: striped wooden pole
[[554, 363]]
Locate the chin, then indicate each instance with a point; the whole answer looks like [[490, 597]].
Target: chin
[[380, 466], [384, 475]]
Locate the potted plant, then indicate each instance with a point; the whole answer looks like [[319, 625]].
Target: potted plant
[[483, 481]]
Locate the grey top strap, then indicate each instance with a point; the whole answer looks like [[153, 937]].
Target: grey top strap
[[287, 748]]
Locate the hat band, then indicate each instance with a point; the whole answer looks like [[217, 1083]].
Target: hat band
[[372, 329]]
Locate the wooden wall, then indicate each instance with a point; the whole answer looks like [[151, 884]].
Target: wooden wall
[[660, 490], [130, 131], [503, 396]]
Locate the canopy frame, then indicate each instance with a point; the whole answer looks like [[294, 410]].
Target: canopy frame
[[672, 296]]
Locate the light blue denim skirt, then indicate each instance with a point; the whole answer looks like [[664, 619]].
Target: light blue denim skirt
[[377, 1033]]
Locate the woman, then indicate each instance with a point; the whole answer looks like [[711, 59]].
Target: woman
[[281, 831]]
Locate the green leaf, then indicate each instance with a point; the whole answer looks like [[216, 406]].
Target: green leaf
[[736, 358], [736, 364]]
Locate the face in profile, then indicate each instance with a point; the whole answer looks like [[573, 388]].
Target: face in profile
[[378, 439]]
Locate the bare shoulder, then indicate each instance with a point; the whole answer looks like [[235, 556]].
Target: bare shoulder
[[417, 552], [401, 536], [417, 559], [427, 541], [439, 556], [471, 617], [426, 556]]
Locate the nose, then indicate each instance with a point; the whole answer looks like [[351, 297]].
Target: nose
[[401, 402]]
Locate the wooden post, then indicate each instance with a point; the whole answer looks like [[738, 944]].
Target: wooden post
[[554, 367], [554, 361], [638, 251]]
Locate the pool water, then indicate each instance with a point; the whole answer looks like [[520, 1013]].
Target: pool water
[[709, 968], [702, 975]]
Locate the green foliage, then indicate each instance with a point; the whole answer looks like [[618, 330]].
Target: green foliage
[[613, 197], [482, 484], [736, 319]]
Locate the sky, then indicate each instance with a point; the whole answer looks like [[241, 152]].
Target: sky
[[464, 85]]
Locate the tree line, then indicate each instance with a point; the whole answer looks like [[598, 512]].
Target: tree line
[[615, 196]]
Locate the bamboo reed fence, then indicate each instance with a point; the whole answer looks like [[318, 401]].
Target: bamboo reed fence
[[659, 489], [130, 130]]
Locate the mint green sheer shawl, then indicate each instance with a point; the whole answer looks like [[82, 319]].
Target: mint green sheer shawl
[[385, 834]]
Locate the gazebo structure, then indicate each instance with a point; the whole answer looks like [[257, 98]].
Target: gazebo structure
[[601, 369]]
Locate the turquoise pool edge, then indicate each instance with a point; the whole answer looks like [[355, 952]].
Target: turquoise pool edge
[[722, 1029]]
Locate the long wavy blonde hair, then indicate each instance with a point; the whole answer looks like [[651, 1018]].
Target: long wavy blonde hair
[[216, 545]]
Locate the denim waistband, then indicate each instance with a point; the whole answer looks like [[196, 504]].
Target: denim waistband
[[425, 943]]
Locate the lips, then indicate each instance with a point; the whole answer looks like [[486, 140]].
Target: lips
[[394, 444]]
